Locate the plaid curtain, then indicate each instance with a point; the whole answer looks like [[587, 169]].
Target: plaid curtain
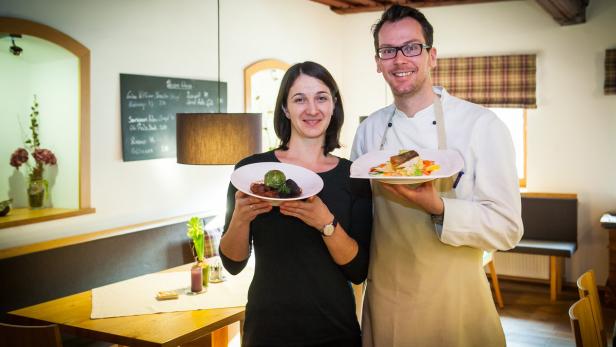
[[610, 72], [492, 81]]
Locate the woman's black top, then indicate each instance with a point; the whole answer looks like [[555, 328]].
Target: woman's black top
[[299, 296]]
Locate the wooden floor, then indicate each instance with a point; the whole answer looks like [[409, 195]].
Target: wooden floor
[[530, 319]]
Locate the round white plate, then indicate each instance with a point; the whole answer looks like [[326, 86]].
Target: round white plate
[[450, 161], [308, 181]]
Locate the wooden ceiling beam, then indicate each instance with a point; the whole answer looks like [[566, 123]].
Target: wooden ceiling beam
[[436, 3], [333, 4], [565, 12], [366, 3], [412, 3], [362, 9]]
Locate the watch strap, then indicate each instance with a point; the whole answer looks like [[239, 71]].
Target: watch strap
[[437, 218]]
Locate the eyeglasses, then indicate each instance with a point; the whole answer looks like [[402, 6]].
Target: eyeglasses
[[410, 50]]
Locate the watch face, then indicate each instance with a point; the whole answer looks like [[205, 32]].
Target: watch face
[[328, 230]]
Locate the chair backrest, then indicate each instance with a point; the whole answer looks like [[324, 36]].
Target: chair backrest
[[583, 324], [26, 336], [549, 219], [587, 287]]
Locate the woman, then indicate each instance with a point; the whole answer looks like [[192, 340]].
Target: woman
[[300, 294]]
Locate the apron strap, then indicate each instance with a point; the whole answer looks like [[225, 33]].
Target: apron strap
[[440, 123]]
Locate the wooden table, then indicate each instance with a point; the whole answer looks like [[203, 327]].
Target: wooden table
[[72, 314]]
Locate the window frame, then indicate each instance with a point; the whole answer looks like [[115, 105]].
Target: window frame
[[249, 72], [524, 150], [23, 216]]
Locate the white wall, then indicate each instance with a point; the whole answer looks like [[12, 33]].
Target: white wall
[[571, 138], [167, 38]]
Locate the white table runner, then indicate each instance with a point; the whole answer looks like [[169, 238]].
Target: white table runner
[[137, 295]]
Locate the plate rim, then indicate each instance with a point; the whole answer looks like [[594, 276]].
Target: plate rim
[[321, 184], [408, 179]]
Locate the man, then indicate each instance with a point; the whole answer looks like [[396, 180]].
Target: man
[[426, 285]]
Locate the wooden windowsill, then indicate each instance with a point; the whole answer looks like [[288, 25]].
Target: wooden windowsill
[[526, 194], [24, 216]]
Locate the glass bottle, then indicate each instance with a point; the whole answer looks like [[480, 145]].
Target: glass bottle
[[36, 193], [196, 277]]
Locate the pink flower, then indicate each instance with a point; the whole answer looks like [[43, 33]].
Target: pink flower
[[19, 157], [45, 156], [42, 156]]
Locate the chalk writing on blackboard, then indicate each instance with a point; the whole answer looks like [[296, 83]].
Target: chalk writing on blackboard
[[148, 108]]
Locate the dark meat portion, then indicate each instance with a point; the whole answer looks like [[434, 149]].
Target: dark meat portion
[[293, 190], [262, 190], [399, 159]]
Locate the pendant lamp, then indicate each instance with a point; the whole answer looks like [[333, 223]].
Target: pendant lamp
[[217, 138]]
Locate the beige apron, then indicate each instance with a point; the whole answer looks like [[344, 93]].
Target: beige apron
[[420, 291]]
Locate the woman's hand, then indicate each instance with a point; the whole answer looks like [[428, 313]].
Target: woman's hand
[[247, 208], [312, 211], [234, 243]]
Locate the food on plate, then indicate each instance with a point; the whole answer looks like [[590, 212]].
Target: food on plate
[[405, 156], [276, 185], [407, 163], [274, 179]]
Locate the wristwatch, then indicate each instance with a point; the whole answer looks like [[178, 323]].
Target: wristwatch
[[328, 229], [437, 218]]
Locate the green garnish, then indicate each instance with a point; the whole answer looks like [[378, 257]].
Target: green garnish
[[274, 179]]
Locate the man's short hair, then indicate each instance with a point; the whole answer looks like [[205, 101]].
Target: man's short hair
[[398, 12]]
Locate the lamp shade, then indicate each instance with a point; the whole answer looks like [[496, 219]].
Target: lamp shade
[[217, 138]]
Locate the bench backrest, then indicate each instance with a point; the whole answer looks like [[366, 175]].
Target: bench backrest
[[550, 218], [41, 276]]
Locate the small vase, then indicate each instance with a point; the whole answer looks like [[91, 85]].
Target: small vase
[[36, 193], [196, 278], [206, 275]]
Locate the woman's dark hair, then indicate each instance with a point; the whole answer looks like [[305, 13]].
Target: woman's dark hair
[[282, 125], [398, 12]]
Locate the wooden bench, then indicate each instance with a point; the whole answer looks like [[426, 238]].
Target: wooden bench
[[550, 228]]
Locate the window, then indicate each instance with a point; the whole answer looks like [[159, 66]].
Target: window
[[515, 119], [261, 83], [506, 84]]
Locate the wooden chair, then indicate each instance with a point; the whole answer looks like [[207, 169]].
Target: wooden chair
[[488, 260], [30, 336], [587, 287], [583, 324]]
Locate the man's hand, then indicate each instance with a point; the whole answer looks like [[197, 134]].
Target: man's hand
[[424, 195]]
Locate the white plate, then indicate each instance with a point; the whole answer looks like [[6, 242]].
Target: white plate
[[450, 161], [308, 181]]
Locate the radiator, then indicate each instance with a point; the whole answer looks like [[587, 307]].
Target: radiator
[[522, 265]]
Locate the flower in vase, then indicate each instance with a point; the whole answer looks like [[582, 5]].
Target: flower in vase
[[196, 234], [41, 156]]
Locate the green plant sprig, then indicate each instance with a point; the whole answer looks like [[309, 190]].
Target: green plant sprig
[[195, 233], [34, 142]]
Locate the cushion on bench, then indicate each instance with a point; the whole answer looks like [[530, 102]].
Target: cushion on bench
[[560, 249], [549, 219], [550, 226]]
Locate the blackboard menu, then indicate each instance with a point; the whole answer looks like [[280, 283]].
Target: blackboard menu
[[148, 107]]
